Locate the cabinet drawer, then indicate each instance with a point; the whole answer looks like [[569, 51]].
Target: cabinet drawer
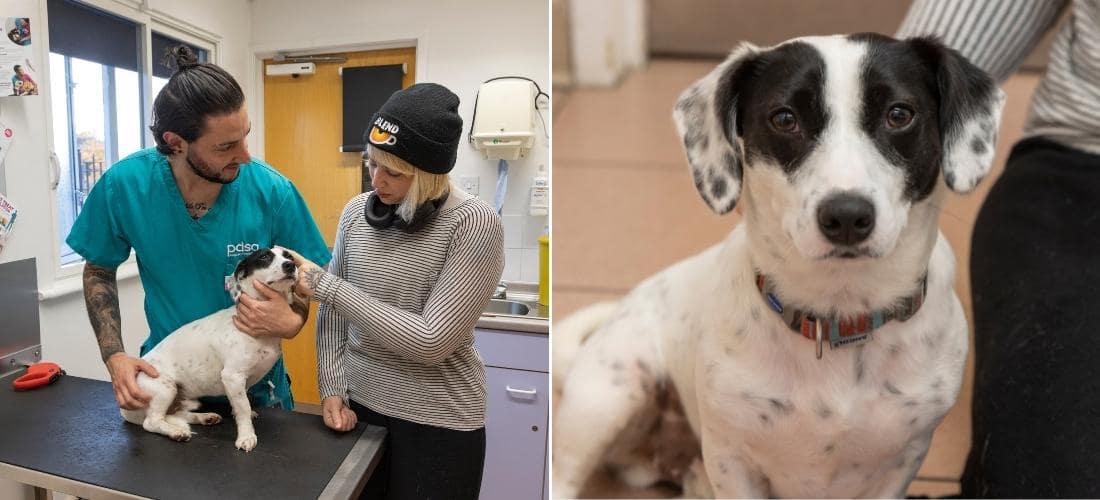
[[515, 435], [519, 350]]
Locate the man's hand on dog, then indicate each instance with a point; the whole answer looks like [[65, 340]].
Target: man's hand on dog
[[124, 371], [337, 415], [267, 318]]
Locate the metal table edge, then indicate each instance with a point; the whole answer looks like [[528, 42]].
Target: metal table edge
[[358, 465], [61, 484]]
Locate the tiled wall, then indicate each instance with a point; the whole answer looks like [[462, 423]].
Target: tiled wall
[[521, 246]]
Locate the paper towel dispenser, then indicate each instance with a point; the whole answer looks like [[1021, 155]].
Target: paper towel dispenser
[[504, 118]]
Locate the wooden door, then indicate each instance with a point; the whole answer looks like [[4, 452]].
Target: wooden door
[[302, 136]]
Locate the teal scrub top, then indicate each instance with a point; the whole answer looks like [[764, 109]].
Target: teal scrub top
[[184, 262]]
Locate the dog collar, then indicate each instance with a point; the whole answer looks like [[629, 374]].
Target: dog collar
[[840, 331]]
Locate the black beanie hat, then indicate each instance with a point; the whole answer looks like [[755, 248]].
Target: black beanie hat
[[420, 125]]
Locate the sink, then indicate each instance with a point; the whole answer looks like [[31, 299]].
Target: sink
[[498, 306]]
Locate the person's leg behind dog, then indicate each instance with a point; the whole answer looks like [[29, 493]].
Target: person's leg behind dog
[[1035, 274]]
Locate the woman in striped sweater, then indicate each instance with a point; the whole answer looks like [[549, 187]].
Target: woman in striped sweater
[[415, 262], [1033, 259]]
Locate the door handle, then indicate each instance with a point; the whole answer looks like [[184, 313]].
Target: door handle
[[523, 392]]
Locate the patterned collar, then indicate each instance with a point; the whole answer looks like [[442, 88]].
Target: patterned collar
[[840, 331]]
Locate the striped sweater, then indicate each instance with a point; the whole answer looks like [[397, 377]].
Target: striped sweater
[[397, 313], [998, 35]]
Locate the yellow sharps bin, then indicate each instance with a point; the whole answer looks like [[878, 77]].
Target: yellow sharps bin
[[544, 270]]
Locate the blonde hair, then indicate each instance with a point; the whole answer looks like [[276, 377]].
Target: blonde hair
[[425, 186]]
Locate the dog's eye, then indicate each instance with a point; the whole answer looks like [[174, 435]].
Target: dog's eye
[[898, 117], [784, 121]]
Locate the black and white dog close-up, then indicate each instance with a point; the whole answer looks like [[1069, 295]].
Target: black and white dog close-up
[[211, 357], [815, 349]]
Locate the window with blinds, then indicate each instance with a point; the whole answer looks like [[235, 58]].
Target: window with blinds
[[98, 96]]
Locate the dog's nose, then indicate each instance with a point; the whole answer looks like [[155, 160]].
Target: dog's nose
[[846, 219], [288, 267]]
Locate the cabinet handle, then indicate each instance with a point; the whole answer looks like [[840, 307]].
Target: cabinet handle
[[528, 392]]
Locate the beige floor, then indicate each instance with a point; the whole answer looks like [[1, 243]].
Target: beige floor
[[625, 207]]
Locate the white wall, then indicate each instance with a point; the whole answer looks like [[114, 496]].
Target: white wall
[[607, 39], [67, 337], [459, 45]]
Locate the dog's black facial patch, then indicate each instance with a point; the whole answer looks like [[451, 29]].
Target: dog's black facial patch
[[789, 79], [256, 260], [895, 76]]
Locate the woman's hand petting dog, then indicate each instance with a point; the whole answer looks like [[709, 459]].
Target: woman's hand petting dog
[[337, 415], [124, 370], [309, 274], [267, 318]]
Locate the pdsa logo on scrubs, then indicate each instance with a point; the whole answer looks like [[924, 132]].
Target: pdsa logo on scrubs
[[240, 249]]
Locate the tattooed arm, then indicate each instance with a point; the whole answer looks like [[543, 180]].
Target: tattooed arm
[[309, 279], [101, 299]]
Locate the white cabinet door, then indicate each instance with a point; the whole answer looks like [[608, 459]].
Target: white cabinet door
[[515, 432]]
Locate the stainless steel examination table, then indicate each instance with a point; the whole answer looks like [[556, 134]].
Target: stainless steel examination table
[[69, 437]]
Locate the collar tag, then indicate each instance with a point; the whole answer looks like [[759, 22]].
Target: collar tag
[[817, 337]]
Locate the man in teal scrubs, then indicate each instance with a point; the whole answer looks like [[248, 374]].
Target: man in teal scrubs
[[191, 209]]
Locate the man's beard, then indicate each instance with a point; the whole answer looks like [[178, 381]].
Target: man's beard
[[200, 169]]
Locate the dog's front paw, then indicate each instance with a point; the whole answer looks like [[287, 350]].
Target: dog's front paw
[[246, 442], [180, 434]]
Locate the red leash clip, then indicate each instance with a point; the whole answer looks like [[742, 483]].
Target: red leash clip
[[38, 375]]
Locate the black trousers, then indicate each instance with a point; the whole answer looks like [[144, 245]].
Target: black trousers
[[1035, 278], [424, 462]]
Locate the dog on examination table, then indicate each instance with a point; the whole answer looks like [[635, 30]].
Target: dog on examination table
[[812, 352], [211, 357]]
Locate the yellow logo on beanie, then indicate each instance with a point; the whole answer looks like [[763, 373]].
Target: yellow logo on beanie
[[383, 132]]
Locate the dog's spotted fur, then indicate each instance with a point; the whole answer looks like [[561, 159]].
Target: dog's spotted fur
[[211, 357], [783, 131]]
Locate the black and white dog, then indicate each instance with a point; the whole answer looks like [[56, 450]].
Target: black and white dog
[[817, 347], [211, 357]]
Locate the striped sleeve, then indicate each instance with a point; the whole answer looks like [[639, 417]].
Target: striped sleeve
[[995, 36], [332, 329], [473, 267]]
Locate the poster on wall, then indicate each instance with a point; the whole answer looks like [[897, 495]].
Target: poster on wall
[[7, 219], [17, 70]]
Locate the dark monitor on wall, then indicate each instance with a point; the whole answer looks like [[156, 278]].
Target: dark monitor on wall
[[365, 90]]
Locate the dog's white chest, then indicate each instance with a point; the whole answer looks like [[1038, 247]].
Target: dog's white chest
[[834, 426]]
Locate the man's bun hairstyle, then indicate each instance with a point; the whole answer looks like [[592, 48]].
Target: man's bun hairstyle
[[196, 90]]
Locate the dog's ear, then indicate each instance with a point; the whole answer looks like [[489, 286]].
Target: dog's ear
[[706, 118], [235, 290], [970, 105]]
